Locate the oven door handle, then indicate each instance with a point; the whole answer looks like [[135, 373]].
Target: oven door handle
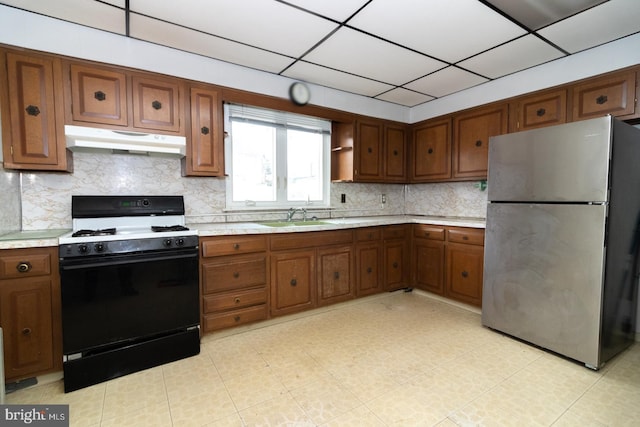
[[121, 260]]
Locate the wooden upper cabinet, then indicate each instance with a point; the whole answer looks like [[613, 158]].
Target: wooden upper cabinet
[[540, 110], [32, 103], [205, 149], [471, 133], [395, 153], [342, 151], [369, 151], [430, 158], [157, 104], [98, 95], [613, 94]]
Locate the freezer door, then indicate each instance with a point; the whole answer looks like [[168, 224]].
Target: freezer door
[[543, 275], [566, 163]]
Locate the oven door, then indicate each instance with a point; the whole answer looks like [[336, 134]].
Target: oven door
[[111, 300]]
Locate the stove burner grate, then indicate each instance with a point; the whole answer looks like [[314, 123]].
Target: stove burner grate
[[103, 232], [159, 229]]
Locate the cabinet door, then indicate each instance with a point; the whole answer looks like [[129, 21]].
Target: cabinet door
[[33, 114], [26, 320], [431, 152], [157, 104], [395, 255], [369, 151], [98, 95], [205, 152], [335, 275], [395, 157], [613, 94], [464, 273], [429, 265], [537, 111], [368, 271], [293, 282], [471, 139]]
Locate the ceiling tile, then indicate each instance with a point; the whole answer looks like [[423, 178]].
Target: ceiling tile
[[525, 52], [266, 24], [446, 81], [601, 24], [90, 13], [356, 53], [335, 79], [189, 40], [536, 14], [448, 30], [338, 10], [404, 97]]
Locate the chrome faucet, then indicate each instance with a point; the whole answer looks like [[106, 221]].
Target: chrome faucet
[[292, 211]]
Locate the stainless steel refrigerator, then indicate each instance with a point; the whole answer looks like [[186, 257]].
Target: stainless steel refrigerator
[[561, 245]]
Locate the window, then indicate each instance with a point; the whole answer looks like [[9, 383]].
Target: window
[[277, 159]]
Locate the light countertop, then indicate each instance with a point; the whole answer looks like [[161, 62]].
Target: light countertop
[[44, 238]]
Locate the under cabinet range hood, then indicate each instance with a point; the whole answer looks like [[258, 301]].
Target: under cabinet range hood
[[81, 138]]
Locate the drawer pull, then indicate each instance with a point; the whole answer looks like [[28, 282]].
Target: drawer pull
[[26, 331], [100, 95], [156, 105], [237, 300], [236, 318], [293, 282], [204, 130], [236, 246], [32, 110], [541, 112], [478, 143], [465, 274], [236, 274], [430, 151], [601, 99], [426, 234], [465, 237], [23, 267]]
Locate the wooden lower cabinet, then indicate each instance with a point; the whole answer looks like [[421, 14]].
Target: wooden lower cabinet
[[30, 312], [448, 261], [293, 281], [233, 276], [396, 259], [335, 274], [368, 260]]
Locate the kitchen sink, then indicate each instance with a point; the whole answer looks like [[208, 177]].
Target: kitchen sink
[[293, 223]]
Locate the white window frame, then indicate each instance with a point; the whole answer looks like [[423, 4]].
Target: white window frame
[[282, 121]]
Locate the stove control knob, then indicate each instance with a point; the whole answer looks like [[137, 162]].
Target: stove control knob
[[179, 241], [83, 249], [99, 247], [167, 242]]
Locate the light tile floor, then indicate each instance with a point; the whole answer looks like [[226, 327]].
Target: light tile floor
[[398, 359]]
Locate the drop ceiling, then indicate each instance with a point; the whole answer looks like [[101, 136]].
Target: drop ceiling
[[407, 52]]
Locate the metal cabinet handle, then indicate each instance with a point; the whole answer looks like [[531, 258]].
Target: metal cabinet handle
[[430, 151], [26, 331], [336, 275], [293, 282], [237, 300], [236, 318], [156, 105], [369, 270], [541, 112], [395, 152], [236, 274], [426, 234], [100, 95], [236, 246], [465, 237], [23, 267], [369, 150], [601, 99], [204, 130], [395, 265], [478, 143], [32, 110], [465, 274]]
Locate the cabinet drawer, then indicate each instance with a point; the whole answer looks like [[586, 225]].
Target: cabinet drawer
[[19, 263], [368, 234], [232, 300], [466, 235], [310, 239], [430, 232], [394, 232], [233, 245], [213, 322], [234, 273]]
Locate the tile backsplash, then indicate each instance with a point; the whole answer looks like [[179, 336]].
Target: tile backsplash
[[44, 199]]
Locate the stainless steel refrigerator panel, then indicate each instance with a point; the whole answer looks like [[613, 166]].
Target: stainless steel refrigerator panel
[[567, 163], [543, 275]]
